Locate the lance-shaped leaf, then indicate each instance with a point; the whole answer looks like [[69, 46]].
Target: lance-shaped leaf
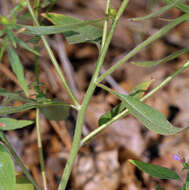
[[13, 96], [156, 170], [22, 183], [149, 117], [11, 37], [137, 92], [78, 31], [7, 124], [25, 46], [55, 110], [3, 46], [18, 69], [7, 172], [163, 60]]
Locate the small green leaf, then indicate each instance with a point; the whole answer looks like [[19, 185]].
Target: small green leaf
[[137, 92], [22, 183], [55, 110], [150, 117], [25, 46], [164, 60], [7, 124], [7, 172], [156, 170], [111, 114], [18, 69], [78, 31]]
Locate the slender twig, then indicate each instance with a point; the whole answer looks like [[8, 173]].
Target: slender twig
[[89, 93], [40, 149], [19, 162], [53, 59], [152, 38], [125, 112]]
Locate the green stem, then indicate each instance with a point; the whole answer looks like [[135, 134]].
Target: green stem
[[20, 163], [105, 29], [53, 59], [40, 149], [125, 112], [152, 38], [89, 93]]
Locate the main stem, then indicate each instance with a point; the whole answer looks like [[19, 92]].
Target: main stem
[[89, 93]]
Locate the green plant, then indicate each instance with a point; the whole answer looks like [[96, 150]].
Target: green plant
[[78, 31]]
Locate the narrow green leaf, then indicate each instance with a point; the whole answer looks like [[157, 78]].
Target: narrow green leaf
[[14, 96], [183, 7], [22, 183], [18, 69], [156, 170], [11, 38], [25, 46], [137, 92], [7, 124], [150, 117], [78, 31], [164, 60], [3, 47], [157, 13], [7, 172], [55, 110], [4, 110]]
